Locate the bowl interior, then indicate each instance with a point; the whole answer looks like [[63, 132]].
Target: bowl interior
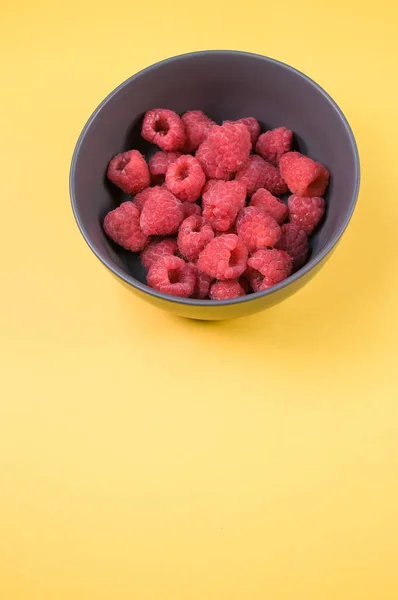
[[225, 85]]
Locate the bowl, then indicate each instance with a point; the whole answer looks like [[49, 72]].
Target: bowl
[[225, 85]]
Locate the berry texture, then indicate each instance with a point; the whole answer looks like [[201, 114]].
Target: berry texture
[[225, 257], [272, 144], [197, 128], [129, 172], [265, 201], [172, 275], [304, 176], [161, 214], [202, 283], [142, 197], [256, 173], [158, 164], [226, 290], [294, 241], [164, 128], [222, 200], [122, 225], [191, 209], [252, 125], [193, 236], [306, 212], [224, 150], [156, 249], [185, 178], [272, 267], [257, 229]]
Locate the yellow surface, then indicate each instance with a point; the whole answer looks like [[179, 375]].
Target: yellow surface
[[151, 458]]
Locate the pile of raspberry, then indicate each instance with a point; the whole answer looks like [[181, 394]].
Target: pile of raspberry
[[206, 211]]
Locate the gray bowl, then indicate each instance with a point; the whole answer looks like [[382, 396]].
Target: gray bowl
[[225, 85]]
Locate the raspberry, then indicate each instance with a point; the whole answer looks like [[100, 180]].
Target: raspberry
[[304, 176], [172, 275], [225, 257], [221, 203], [252, 125], [254, 278], [202, 283], [156, 249], [161, 214], [226, 290], [306, 212], [272, 144], [190, 209], [164, 128], [122, 225], [197, 128], [257, 229], [294, 241], [185, 178], [224, 150], [158, 164], [256, 173], [142, 197], [129, 172], [193, 235], [265, 201], [272, 266]]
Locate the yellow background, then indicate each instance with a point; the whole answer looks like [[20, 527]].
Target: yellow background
[[148, 457]]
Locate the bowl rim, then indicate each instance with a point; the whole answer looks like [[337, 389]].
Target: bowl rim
[[327, 249]]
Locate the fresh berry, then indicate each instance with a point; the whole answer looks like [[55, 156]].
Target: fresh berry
[[305, 212], [193, 235], [252, 125], [129, 172], [272, 144], [265, 201], [226, 290], [172, 275], [202, 283], [294, 241], [190, 209], [161, 214], [185, 178], [156, 249], [272, 266], [257, 229], [164, 128], [224, 150], [304, 176], [221, 203], [122, 225], [140, 199], [254, 278], [158, 164], [225, 257], [197, 128]]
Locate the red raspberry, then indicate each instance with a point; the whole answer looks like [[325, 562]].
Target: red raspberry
[[294, 241], [202, 283], [257, 229], [172, 275], [221, 203], [185, 178], [305, 212], [252, 125], [265, 201], [156, 249], [304, 176], [129, 172], [226, 290], [272, 266], [190, 209], [164, 128], [225, 257], [225, 149], [272, 144], [254, 278], [162, 213], [142, 197], [158, 164], [197, 128], [194, 234], [122, 225]]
